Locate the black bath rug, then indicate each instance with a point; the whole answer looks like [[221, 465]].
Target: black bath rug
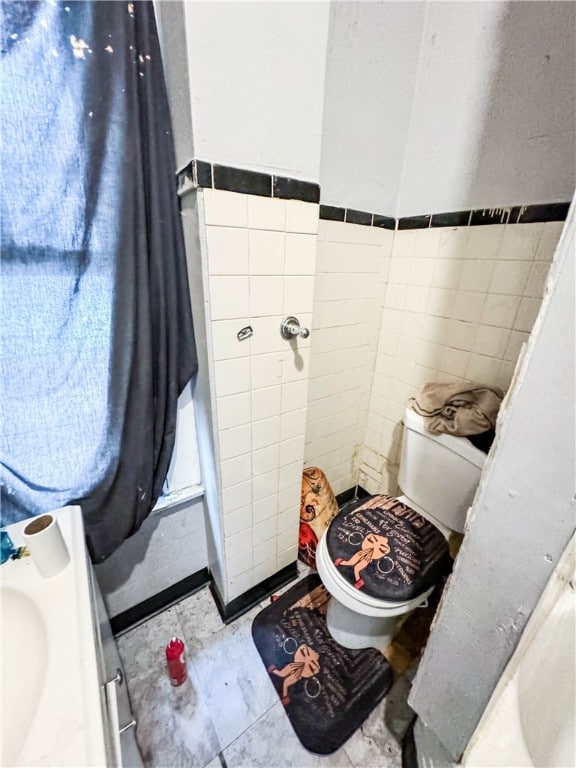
[[327, 690]]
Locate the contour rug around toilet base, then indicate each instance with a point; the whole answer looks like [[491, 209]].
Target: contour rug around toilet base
[[356, 620]]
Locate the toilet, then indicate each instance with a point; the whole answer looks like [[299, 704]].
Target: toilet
[[382, 558]]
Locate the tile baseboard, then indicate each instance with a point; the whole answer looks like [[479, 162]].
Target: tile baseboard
[[230, 612], [159, 602], [357, 492], [240, 605]]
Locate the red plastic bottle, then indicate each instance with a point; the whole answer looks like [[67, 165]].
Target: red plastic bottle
[[176, 661]]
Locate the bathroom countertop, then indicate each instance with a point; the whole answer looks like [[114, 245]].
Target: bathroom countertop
[[51, 695]]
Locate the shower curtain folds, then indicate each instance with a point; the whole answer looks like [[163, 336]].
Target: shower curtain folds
[[97, 337]]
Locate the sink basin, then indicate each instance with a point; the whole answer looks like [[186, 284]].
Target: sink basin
[[51, 694], [531, 718], [546, 691], [25, 651]]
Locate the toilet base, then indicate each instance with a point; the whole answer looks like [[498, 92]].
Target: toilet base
[[354, 630]]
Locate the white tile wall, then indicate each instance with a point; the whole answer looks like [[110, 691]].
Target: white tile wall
[[352, 267], [387, 311], [169, 546], [261, 260], [459, 304]]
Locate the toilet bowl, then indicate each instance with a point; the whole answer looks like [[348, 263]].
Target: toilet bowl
[[382, 558], [356, 620]]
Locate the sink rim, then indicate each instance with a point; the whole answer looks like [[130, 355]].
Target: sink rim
[[67, 728]]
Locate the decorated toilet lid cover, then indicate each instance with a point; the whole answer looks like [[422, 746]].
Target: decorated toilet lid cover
[[387, 550]]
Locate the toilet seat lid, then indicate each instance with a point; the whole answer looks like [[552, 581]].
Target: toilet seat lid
[[386, 549]]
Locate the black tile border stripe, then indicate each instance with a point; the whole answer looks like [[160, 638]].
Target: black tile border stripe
[[200, 173], [238, 180], [359, 217], [352, 216], [484, 216], [531, 214], [384, 222], [415, 222], [518, 214], [452, 219], [332, 213], [294, 189], [203, 173], [527, 214], [159, 602]]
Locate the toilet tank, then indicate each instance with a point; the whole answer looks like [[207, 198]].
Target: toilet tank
[[439, 473]]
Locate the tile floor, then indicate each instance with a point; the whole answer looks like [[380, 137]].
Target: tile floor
[[227, 714]]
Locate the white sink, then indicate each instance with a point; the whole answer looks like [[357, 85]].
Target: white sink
[[546, 691], [24, 656], [531, 717], [51, 695]]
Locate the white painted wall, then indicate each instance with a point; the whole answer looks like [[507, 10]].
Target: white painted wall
[[493, 115], [448, 106], [396, 107], [457, 67], [372, 63], [256, 72], [172, 34]]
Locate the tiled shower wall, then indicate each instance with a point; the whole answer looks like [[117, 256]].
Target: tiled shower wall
[[351, 271], [388, 312], [261, 262], [459, 304]]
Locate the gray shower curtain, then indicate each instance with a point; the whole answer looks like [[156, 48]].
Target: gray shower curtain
[[97, 338]]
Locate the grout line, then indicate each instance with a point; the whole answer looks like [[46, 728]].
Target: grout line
[[274, 704]]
